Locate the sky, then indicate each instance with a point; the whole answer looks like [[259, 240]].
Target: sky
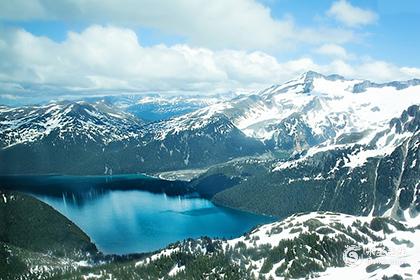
[[56, 49]]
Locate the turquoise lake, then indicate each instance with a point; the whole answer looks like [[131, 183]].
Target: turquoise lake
[[134, 221]]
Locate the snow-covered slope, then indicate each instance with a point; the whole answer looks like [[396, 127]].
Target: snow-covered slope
[[314, 109], [197, 139], [322, 245], [381, 177], [93, 138], [157, 107], [192, 122], [66, 120], [384, 242], [315, 245]]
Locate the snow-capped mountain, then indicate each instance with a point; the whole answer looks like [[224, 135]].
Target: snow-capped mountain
[[69, 121], [158, 107], [338, 145], [316, 143], [193, 140], [378, 178], [95, 138], [315, 109], [312, 111]]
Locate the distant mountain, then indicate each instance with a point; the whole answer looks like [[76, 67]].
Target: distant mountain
[[65, 137], [194, 140], [95, 138], [314, 143], [157, 107], [381, 177], [67, 122], [338, 145], [315, 109]]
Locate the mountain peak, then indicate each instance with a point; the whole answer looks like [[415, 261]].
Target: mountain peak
[[310, 75], [306, 80]]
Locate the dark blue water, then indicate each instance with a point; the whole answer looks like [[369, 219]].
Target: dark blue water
[[134, 221], [138, 221]]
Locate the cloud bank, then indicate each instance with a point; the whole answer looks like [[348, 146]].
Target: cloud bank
[[106, 58], [215, 24]]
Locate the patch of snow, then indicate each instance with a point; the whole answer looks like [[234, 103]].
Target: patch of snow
[[413, 164], [175, 270]]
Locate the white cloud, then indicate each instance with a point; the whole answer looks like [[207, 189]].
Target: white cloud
[[411, 71], [217, 24], [101, 59], [374, 70], [333, 50], [350, 15], [112, 58]]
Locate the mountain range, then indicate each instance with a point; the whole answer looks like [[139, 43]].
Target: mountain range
[[313, 143], [343, 153], [93, 138]]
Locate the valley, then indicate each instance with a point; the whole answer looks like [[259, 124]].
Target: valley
[[335, 144]]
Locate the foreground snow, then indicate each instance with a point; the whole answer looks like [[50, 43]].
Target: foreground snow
[[383, 248]]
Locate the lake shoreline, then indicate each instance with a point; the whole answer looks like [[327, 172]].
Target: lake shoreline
[[98, 182], [135, 214]]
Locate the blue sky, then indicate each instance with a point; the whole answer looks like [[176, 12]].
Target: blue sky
[[395, 36], [79, 47]]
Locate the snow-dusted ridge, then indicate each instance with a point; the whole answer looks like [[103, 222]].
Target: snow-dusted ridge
[[106, 138], [323, 107], [301, 113], [93, 121], [313, 245], [330, 107], [190, 122]]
